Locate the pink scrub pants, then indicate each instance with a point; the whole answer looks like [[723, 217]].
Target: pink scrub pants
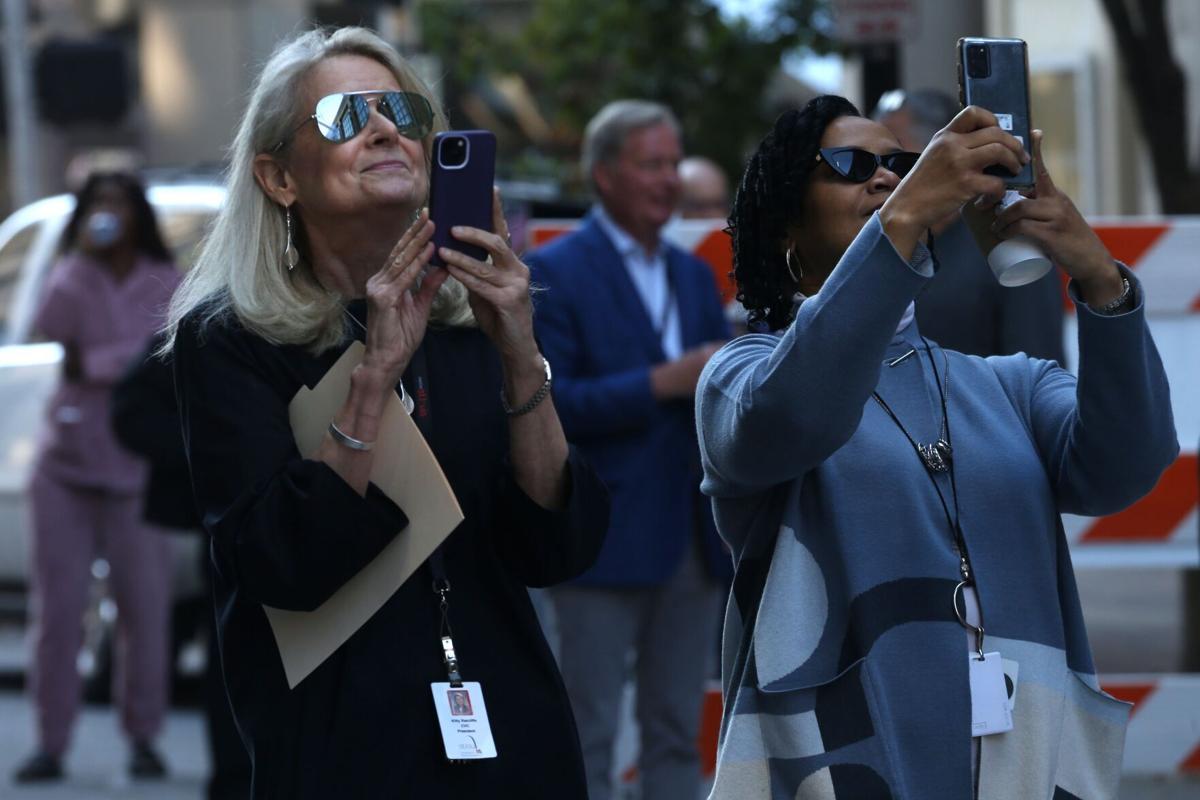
[[71, 526]]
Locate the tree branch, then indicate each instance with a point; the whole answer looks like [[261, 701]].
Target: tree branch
[[1158, 88]]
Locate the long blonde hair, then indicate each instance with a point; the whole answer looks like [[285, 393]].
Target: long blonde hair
[[240, 269]]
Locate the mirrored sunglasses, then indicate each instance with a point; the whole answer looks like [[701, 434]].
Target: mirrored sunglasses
[[858, 165], [342, 116]]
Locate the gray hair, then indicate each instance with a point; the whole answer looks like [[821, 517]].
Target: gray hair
[[240, 268], [606, 133], [930, 109]]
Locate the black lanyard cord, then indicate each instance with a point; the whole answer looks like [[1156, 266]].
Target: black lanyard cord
[[665, 317], [953, 522], [422, 415]]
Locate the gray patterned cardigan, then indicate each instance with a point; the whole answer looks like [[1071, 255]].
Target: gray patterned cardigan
[[844, 668]]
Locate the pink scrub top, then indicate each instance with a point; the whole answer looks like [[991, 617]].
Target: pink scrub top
[[109, 322]]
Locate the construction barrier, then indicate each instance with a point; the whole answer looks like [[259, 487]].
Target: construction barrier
[[1164, 729]]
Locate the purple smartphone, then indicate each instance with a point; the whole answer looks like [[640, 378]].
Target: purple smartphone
[[460, 187]]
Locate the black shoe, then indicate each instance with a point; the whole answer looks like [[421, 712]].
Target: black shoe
[[38, 768], [145, 762]]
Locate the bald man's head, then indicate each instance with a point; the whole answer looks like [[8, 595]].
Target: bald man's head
[[705, 189]]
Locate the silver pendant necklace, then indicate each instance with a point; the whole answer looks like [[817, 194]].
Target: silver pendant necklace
[[937, 456]]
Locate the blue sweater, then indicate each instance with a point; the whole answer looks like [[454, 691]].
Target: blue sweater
[[845, 669]]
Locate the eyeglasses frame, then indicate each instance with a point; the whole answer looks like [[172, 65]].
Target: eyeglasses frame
[[825, 154], [379, 93]]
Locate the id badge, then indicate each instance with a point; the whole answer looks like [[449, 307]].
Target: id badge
[[462, 716], [990, 710]]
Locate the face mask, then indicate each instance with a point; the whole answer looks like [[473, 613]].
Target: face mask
[[104, 228]]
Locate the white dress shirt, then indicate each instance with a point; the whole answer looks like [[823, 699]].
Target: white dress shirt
[[652, 281]]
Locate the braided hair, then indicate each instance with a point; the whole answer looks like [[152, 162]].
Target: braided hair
[[770, 198]]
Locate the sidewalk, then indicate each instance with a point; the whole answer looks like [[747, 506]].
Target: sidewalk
[[96, 764]]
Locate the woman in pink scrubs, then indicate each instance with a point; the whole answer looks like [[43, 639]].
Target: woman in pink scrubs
[[103, 300]]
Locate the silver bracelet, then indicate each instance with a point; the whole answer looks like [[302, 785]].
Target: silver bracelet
[[538, 396], [349, 441], [1118, 304]]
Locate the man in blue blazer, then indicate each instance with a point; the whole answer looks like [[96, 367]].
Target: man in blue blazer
[[627, 322]]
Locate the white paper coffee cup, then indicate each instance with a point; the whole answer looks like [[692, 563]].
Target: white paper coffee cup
[[1017, 261], [1014, 262]]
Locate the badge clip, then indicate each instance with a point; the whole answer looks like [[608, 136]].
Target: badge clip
[[451, 660]]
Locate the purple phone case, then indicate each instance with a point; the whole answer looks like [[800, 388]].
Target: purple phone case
[[462, 195]]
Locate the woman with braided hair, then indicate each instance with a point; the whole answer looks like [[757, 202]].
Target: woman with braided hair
[[904, 621]]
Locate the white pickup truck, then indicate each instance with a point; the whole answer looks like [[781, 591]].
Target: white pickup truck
[[29, 241]]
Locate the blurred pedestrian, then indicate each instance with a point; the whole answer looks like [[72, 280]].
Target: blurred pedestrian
[[704, 189], [966, 309], [628, 322], [323, 241], [104, 299], [905, 620], [145, 418]]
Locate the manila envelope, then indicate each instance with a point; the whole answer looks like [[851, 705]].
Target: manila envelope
[[407, 472]]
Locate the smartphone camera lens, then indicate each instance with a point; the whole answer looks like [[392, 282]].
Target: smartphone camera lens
[[452, 154], [978, 63]]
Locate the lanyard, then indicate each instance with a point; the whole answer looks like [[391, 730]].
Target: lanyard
[[422, 414], [665, 316], [938, 457], [423, 417]]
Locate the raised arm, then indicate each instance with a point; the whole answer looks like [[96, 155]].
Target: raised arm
[[770, 408], [1106, 438]]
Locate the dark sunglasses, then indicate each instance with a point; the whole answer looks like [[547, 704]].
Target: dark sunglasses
[[858, 165], [342, 116]]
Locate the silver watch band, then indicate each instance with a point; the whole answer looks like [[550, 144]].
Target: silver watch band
[[537, 398]]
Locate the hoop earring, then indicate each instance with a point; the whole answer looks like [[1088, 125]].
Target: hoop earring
[[291, 256], [788, 256]]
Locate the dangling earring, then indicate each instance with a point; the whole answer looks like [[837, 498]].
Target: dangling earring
[[291, 256], [788, 256]]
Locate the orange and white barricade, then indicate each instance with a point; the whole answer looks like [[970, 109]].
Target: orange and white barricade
[[1161, 529], [1164, 729]]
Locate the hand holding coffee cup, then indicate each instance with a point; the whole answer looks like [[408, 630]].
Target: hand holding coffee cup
[[1015, 261], [1049, 220]]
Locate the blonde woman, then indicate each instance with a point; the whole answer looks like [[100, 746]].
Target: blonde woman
[[324, 240]]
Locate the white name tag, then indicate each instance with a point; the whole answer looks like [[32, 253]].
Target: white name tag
[[463, 717], [990, 711], [1005, 121]]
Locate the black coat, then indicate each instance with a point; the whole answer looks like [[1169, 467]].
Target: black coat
[[288, 532], [145, 418]]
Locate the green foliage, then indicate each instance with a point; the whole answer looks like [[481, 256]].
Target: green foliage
[[577, 55]]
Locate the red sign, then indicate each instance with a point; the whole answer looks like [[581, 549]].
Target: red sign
[[870, 21]]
